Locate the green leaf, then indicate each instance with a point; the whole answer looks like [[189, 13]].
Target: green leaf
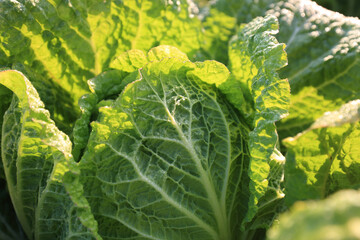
[[51, 93], [271, 204], [168, 159], [112, 82], [244, 11], [255, 57], [81, 131], [323, 49], [334, 218], [71, 42], [221, 20], [324, 158], [40, 172], [109, 84], [218, 29]]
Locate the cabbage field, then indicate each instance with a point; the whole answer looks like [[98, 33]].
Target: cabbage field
[[179, 120]]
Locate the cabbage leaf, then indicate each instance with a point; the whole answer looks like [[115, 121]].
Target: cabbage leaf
[[39, 168], [324, 158], [168, 150], [323, 50], [167, 143], [69, 42], [262, 97]]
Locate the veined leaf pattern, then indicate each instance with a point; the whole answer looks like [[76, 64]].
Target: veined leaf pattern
[[39, 168], [324, 158], [70, 42], [168, 159], [323, 50]]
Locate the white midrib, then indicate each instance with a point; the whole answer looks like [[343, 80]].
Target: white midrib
[[219, 212], [222, 220], [171, 201], [218, 208]]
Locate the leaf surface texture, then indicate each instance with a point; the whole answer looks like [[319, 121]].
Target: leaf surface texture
[[168, 150]]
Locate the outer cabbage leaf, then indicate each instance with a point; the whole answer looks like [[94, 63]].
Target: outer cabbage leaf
[[255, 56], [323, 49], [51, 94], [272, 202], [168, 158], [326, 157], [39, 169], [72, 41], [334, 218]]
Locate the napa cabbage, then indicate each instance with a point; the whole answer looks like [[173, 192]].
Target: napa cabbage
[[162, 120]]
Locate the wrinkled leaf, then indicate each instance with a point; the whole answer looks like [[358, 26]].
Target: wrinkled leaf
[[39, 169], [109, 84], [262, 97], [220, 20], [71, 42], [325, 158], [199, 188], [323, 49]]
